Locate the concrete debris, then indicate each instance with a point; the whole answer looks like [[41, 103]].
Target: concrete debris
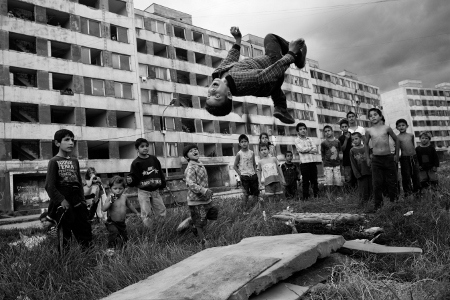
[[265, 259], [319, 218], [282, 290], [367, 246]]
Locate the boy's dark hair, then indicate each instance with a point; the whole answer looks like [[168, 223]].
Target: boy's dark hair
[[357, 134], [140, 141], [427, 134], [401, 121], [300, 125], [351, 113], [243, 137], [188, 148], [343, 121], [378, 111], [327, 126], [62, 133], [287, 152], [220, 110], [261, 145], [117, 180]]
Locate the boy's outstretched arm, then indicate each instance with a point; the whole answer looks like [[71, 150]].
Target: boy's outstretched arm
[[397, 143], [366, 147]]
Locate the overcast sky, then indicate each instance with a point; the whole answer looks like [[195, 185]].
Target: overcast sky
[[382, 41]]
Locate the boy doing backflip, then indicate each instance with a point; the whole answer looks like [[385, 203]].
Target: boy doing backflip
[[260, 76], [245, 167], [409, 165], [146, 174], [383, 163], [116, 205], [65, 189]]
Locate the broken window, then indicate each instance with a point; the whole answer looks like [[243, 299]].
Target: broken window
[[22, 43], [98, 149], [121, 62], [183, 77], [117, 7], [210, 150], [224, 127], [208, 126], [181, 54], [197, 37], [123, 90], [179, 32], [228, 45], [95, 117], [90, 27], [125, 119], [159, 26], [23, 77], [22, 112], [60, 50], [127, 150], [62, 114], [215, 61], [214, 42], [90, 3], [95, 87], [171, 149], [21, 10], [58, 18], [185, 100], [141, 46], [244, 50], [25, 149], [168, 123], [62, 82], [227, 150], [119, 34], [202, 80], [164, 98], [161, 50], [139, 21], [187, 125]]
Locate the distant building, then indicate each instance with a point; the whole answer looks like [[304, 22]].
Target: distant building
[[423, 109], [111, 74]]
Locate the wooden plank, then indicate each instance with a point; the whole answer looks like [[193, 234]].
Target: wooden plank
[[319, 218], [282, 290], [379, 249]]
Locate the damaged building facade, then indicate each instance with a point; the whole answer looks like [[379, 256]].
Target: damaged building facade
[[112, 73]]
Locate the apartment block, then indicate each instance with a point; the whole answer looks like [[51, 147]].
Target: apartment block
[[425, 109], [112, 73]]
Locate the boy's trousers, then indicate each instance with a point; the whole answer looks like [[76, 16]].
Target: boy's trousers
[[365, 188], [309, 175], [384, 171], [410, 172]]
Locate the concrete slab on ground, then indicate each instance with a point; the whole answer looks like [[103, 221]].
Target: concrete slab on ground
[[357, 245], [294, 251], [282, 290]]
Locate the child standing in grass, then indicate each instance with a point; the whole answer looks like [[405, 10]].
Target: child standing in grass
[[245, 167], [147, 175], [383, 162], [330, 149], [199, 196], [346, 141], [362, 171], [65, 189], [116, 206], [291, 176], [409, 165], [264, 138], [306, 151], [428, 161], [269, 169]]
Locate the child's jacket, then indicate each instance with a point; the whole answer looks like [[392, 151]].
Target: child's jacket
[[427, 157], [197, 182], [147, 174], [252, 76]]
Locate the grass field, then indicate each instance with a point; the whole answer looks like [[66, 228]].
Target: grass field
[[39, 273]]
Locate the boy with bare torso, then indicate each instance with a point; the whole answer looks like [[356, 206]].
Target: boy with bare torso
[[116, 205], [383, 163], [409, 165]]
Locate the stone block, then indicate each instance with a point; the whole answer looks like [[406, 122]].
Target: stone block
[[105, 30], [107, 58], [82, 149], [111, 118], [196, 102], [159, 149], [198, 125], [5, 149], [147, 24], [232, 127], [4, 75], [219, 150], [5, 111], [80, 116], [78, 84], [45, 116], [149, 47], [109, 88], [192, 79], [178, 125], [201, 148], [216, 126], [113, 149], [188, 32], [41, 47], [75, 23], [46, 149], [75, 53], [40, 14], [43, 82], [208, 61], [294, 252], [191, 56], [4, 40]]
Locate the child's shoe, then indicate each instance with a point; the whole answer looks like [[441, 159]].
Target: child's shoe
[[283, 115]]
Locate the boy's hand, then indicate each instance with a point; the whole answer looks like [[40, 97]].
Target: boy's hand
[[296, 46], [65, 204], [236, 33], [129, 179], [209, 193]]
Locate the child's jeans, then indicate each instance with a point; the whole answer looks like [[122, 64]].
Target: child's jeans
[[365, 188], [384, 171], [151, 202], [410, 172]]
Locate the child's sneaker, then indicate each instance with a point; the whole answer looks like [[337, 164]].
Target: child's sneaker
[[283, 115]]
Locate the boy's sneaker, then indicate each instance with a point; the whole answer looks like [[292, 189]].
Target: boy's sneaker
[[300, 59], [283, 115]]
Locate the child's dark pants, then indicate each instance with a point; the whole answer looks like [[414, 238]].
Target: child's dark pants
[[117, 233], [384, 171], [410, 172], [309, 175]]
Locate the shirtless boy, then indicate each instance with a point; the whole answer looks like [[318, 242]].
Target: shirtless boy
[[116, 205], [409, 164], [383, 163]]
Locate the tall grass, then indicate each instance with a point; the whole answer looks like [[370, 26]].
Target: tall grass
[[40, 274]]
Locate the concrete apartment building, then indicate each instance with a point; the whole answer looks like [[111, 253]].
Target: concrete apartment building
[[423, 108], [111, 74]]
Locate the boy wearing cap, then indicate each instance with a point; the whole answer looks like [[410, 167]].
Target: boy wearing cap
[[428, 161], [199, 196]]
